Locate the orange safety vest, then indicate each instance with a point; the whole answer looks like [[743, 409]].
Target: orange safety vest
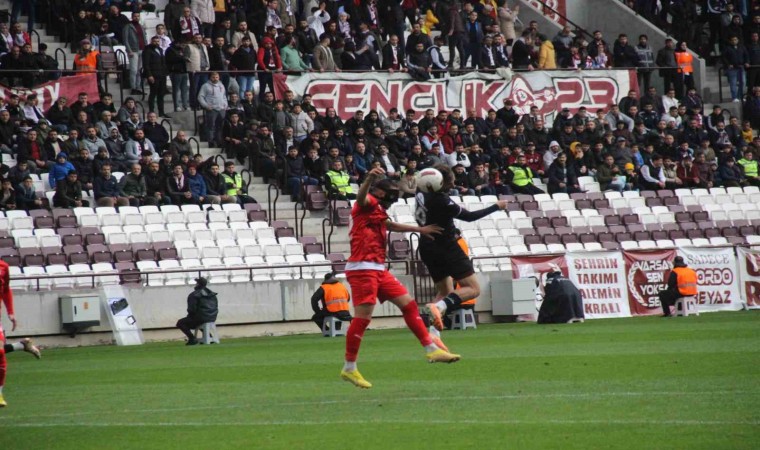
[[686, 279], [336, 297], [463, 245], [87, 64], [684, 59]]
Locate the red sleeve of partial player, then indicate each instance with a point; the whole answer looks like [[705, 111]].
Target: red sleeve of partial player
[[7, 293]]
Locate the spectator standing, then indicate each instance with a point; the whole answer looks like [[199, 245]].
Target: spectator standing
[[685, 75], [456, 35], [753, 51], [666, 61], [176, 65], [135, 41], [547, 58], [197, 65], [155, 71], [521, 51], [646, 61], [507, 18], [204, 11], [269, 62], [323, 58], [244, 61], [213, 99], [735, 59]]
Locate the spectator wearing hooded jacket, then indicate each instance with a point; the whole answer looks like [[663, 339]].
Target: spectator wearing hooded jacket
[[269, 61], [60, 169], [197, 186]]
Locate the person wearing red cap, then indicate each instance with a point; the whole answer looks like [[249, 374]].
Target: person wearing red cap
[[269, 61]]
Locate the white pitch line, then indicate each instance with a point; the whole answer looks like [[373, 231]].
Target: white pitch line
[[268, 423], [391, 400]]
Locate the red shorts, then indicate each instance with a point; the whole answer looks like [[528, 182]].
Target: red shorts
[[369, 286]]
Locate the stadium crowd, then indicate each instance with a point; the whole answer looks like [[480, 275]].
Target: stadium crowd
[[213, 52]]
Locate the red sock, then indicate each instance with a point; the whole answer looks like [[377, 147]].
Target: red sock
[[415, 323], [354, 337], [3, 367]]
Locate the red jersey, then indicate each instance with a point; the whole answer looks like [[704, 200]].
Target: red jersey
[[368, 236], [5, 287]]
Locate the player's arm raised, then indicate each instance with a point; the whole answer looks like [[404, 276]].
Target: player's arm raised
[[427, 230], [372, 176], [472, 216]]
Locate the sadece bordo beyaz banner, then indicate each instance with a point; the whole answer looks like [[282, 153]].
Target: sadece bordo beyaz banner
[[717, 277]]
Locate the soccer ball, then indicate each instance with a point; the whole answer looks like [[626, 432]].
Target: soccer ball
[[429, 180]]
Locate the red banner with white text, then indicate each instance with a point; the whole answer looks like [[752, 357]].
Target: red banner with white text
[[749, 270], [550, 91], [49, 92], [646, 275], [556, 14]]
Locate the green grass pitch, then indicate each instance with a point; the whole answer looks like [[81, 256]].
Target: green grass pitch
[[644, 383]]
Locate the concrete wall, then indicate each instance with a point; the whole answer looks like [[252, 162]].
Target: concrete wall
[[239, 304], [612, 18]]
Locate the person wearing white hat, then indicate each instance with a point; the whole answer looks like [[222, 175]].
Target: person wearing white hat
[[551, 154]]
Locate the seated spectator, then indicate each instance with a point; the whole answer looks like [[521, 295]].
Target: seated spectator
[[105, 124], [233, 134], [461, 182], [338, 182], [705, 170], [31, 151], [197, 185], [60, 115], [105, 104], [60, 169], [178, 187], [652, 175], [689, 174], [749, 167], [562, 177], [731, 175], [216, 186], [127, 109], [610, 176], [68, 192], [235, 184], [106, 189], [479, 180], [134, 188], [520, 178], [7, 132], [180, 144], [17, 173], [671, 176], [26, 195], [86, 169], [128, 127], [156, 133], [7, 195], [91, 140], [155, 184], [134, 148]]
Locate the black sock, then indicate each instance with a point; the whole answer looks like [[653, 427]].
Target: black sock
[[453, 301], [9, 348]]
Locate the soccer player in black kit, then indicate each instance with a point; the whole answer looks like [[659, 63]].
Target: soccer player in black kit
[[443, 257]]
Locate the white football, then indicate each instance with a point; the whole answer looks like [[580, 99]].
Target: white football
[[429, 180]]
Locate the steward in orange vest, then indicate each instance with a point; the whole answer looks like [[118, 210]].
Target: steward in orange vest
[[87, 59], [681, 283], [334, 298]]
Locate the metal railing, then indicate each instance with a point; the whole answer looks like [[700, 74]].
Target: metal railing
[[171, 128], [197, 144], [272, 204]]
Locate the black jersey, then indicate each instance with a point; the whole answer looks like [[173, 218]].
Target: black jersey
[[437, 208]]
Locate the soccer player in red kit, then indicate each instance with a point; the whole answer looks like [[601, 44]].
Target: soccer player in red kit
[[370, 280], [7, 300]]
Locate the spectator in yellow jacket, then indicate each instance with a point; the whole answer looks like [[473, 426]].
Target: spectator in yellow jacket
[[547, 59]]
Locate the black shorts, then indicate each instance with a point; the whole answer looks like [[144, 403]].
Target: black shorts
[[445, 259]]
